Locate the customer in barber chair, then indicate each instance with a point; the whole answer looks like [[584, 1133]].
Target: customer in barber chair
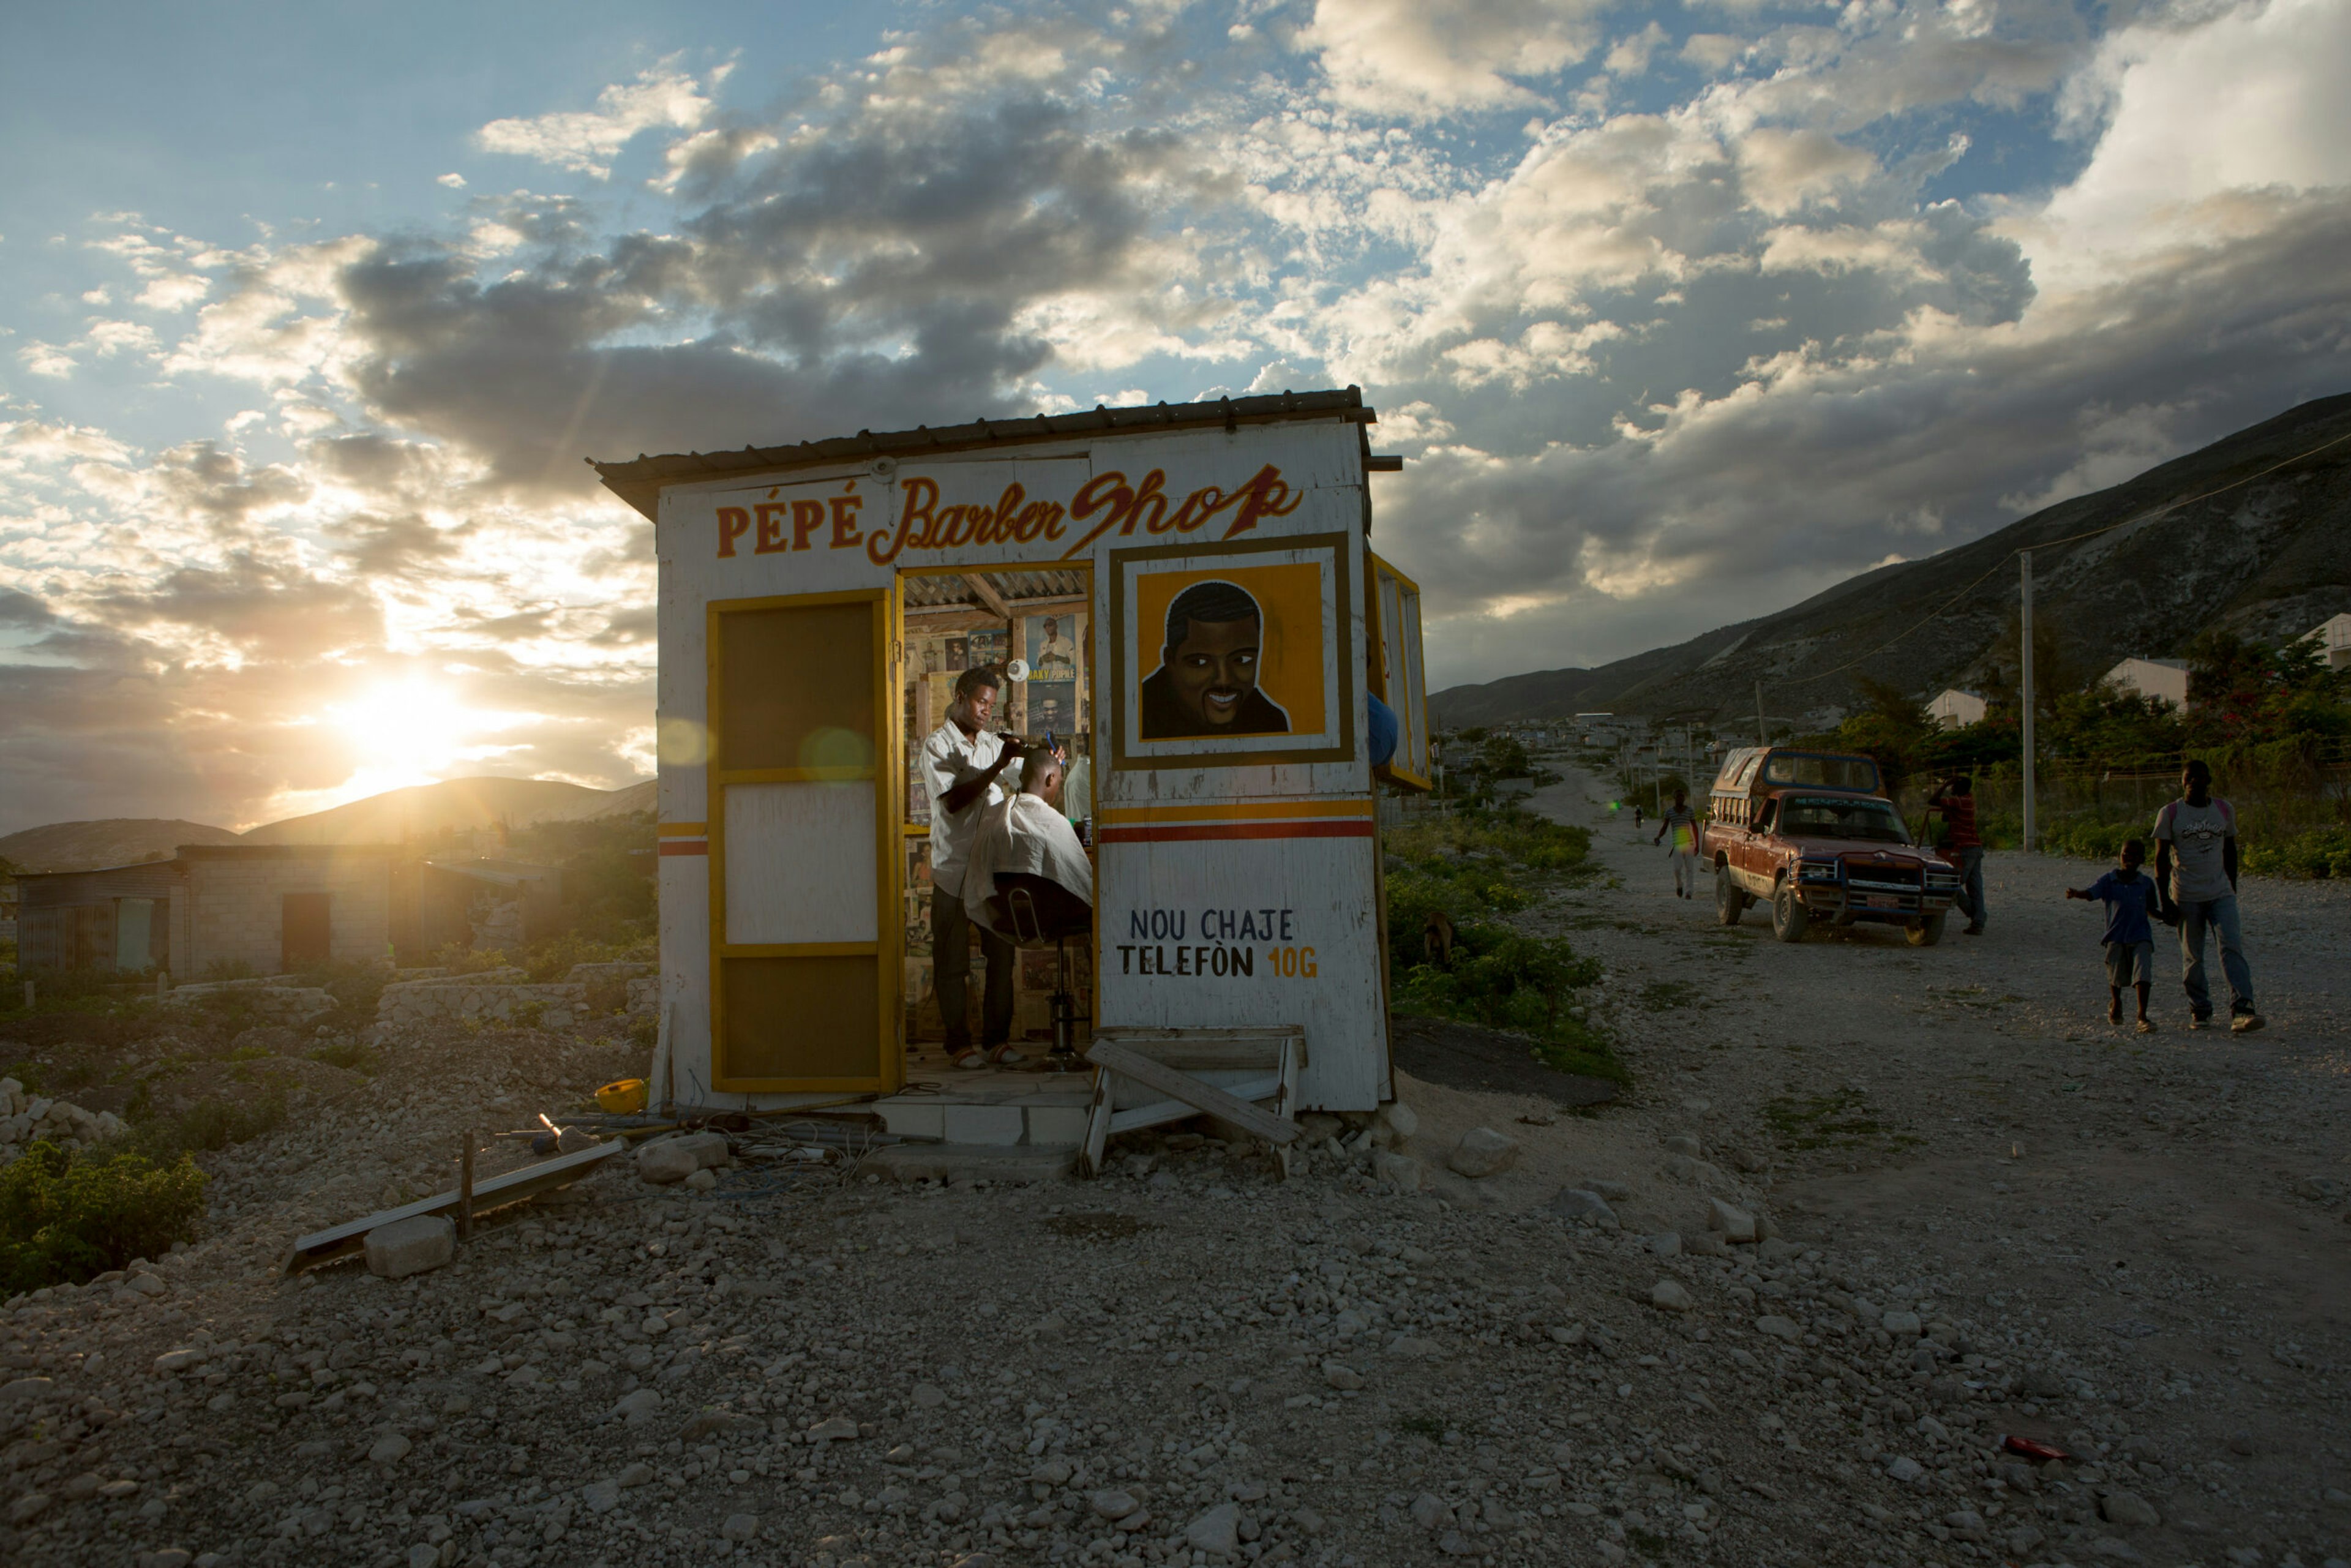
[[1026, 860]]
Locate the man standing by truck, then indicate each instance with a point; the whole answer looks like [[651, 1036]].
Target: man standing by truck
[[1958, 842]]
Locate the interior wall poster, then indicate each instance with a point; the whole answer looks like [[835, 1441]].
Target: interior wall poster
[[1232, 655]]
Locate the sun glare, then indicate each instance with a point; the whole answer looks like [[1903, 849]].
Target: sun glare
[[413, 732]]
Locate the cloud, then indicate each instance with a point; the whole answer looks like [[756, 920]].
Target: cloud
[[2190, 120], [1406, 57], [586, 141]]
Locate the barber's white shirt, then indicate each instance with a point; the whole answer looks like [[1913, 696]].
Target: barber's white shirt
[[949, 758], [1024, 834]]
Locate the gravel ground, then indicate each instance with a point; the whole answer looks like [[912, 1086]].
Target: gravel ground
[[1986, 1212]]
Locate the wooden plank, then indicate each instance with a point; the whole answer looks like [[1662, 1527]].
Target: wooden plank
[[1204, 1050], [985, 591], [1160, 1112], [1097, 1114], [1229, 1056], [1285, 1099], [325, 1246], [1194, 1092]]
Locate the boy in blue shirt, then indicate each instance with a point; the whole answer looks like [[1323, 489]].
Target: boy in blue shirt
[[2129, 941]]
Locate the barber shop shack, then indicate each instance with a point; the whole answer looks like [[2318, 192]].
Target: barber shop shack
[[1023, 776]]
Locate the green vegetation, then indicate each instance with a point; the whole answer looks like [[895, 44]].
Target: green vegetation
[[202, 1128], [1465, 870], [2272, 722], [68, 1216], [1834, 1121], [607, 888]]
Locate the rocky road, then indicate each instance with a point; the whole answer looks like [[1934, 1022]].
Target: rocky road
[[1868, 1211]]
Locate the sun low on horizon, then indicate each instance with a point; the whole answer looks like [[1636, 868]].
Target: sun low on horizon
[[403, 732]]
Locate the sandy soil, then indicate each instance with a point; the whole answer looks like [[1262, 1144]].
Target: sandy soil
[[1994, 1215]]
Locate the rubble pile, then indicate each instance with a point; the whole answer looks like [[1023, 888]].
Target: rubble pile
[[1190, 1362], [26, 1119]]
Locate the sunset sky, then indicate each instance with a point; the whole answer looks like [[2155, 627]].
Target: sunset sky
[[309, 314]]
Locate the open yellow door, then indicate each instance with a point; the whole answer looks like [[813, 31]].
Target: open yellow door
[[1396, 673], [804, 844]]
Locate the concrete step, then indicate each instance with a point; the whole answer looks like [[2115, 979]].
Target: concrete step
[[1006, 1109], [1014, 1164]]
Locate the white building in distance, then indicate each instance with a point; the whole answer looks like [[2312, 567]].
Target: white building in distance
[[2333, 636], [1955, 709], [2165, 678]]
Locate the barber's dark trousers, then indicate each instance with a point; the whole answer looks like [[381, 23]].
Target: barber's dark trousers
[[951, 969]]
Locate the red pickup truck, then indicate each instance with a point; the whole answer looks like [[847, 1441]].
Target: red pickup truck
[[1812, 835]]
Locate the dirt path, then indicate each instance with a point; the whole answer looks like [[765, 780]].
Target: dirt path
[[1982, 1212], [2170, 1208]]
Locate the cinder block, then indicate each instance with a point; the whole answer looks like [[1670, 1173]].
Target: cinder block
[[982, 1124], [1058, 1125], [903, 1119], [408, 1247]]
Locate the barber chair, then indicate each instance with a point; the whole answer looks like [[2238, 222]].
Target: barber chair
[[1029, 911]]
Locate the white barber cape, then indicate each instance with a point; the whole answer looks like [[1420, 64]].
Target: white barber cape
[[1023, 834]]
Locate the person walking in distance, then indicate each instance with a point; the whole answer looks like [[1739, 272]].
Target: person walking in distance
[[2196, 863], [1681, 822], [1958, 842], [962, 760]]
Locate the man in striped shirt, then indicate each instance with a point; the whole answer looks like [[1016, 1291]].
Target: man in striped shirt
[[1956, 802]]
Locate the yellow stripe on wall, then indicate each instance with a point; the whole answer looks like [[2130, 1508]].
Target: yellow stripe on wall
[[1237, 810]]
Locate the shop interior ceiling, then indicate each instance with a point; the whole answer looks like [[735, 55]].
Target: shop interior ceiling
[[994, 596]]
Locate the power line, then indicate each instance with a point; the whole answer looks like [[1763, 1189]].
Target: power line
[[2072, 539]]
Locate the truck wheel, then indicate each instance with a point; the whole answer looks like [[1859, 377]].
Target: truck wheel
[[1730, 902], [1789, 915], [1927, 932]]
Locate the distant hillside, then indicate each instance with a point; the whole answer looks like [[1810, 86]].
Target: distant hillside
[[116, 841], [2271, 559], [387, 819], [454, 803]]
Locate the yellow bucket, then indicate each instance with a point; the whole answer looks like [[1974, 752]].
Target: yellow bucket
[[623, 1098]]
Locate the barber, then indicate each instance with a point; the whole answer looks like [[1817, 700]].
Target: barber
[[962, 760]]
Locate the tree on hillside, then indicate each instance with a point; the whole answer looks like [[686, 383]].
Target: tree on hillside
[[1892, 727]]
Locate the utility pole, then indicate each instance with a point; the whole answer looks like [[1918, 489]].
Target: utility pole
[[2026, 629], [1761, 738]]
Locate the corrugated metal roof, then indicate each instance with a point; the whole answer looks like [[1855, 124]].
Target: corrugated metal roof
[[639, 482], [938, 590]]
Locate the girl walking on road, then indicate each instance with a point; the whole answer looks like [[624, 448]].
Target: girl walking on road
[[1681, 822]]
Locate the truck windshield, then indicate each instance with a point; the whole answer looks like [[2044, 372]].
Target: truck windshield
[[1831, 817], [1822, 772]]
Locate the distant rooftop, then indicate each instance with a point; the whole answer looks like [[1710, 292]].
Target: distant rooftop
[[639, 482]]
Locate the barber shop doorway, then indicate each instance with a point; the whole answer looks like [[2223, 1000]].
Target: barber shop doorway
[[1033, 627]]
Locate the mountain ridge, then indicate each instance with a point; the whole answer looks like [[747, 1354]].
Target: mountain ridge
[[418, 811], [2268, 556]]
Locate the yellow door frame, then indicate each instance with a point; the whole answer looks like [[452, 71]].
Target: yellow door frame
[[889, 944], [1085, 568], [1383, 677]]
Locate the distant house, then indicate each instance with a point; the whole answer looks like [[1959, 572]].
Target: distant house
[[2335, 636], [2165, 678], [116, 917], [1955, 709]]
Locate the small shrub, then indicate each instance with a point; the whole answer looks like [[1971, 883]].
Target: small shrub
[[68, 1216], [209, 1124], [348, 1054]]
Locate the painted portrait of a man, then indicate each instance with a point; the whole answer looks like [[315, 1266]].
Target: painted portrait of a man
[[1206, 683]]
